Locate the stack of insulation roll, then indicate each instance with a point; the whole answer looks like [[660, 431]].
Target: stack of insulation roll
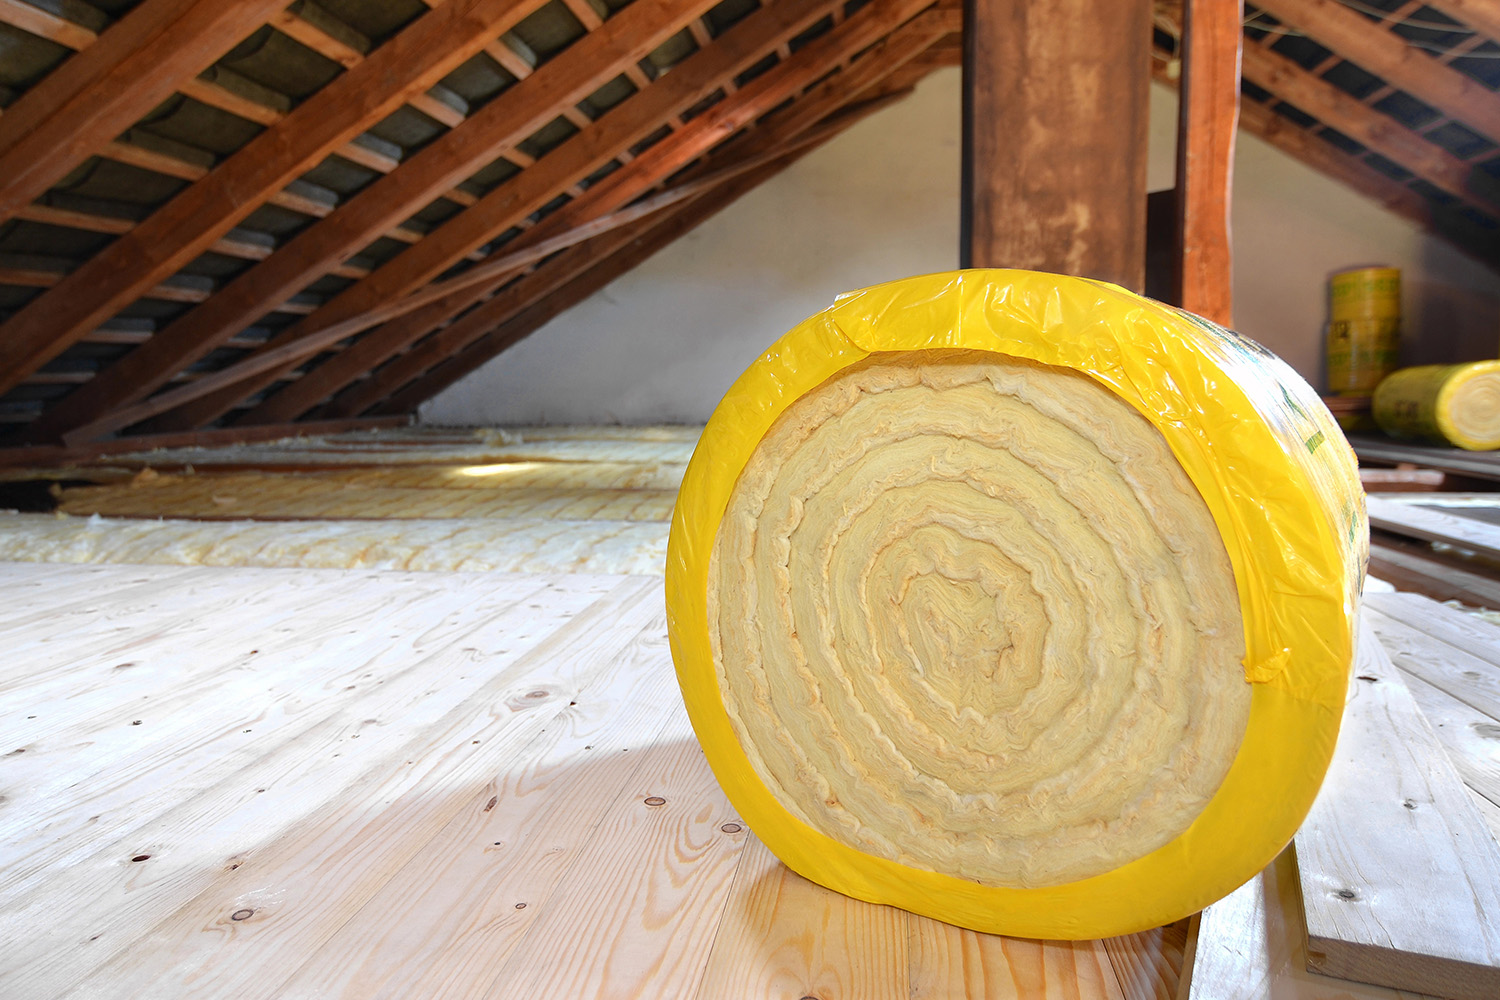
[[1019, 601]]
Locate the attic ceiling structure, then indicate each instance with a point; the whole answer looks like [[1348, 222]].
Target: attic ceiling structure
[[249, 215]]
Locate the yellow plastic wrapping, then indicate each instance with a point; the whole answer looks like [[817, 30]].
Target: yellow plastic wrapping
[[1364, 328], [1449, 404], [1277, 476]]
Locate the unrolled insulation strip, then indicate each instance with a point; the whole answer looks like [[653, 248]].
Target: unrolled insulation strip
[[1018, 601]]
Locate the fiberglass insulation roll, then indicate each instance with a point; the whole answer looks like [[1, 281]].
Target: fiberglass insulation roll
[[1019, 601]]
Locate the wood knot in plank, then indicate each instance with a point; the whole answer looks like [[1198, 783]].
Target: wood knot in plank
[[242, 915], [655, 800]]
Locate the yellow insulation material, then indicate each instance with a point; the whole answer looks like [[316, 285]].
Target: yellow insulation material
[[1449, 404], [1018, 601]]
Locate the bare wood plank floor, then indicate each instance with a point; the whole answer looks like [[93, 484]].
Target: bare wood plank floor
[[282, 783]]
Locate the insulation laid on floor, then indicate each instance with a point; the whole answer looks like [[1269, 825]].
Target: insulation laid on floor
[[511, 545], [1018, 601]]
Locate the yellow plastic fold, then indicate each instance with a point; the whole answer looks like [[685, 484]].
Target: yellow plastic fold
[[1276, 474]]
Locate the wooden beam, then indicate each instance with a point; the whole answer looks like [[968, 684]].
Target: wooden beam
[[45, 24], [50, 455], [408, 64], [1362, 123], [578, 71], [690, 81], [94, 96], [530, 303], [296, 351], [1055, 115], [1207, 121], [672, 154], [1319, 154], [1482, 15], [1387, 55]]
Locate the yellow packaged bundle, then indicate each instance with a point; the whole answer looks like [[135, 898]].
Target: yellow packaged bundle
[[1018, 601], [1364, 328], [1449, 404]]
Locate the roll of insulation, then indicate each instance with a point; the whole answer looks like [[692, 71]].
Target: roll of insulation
[[1448, 404], [1019, 601], [1364, 328]]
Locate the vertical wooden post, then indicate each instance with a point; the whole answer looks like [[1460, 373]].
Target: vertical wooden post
[[1208, 115], [1055, 118]]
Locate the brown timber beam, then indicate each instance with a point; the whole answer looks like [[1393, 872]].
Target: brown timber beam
[[420, 55], [1055, 124], [1208, 117], [1387, 55], [696, 77], [520, 308], [495, 129], [657, 164], [94, 96]]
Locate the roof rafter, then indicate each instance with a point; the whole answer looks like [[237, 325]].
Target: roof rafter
[[691, 81], [1356, 119], [493, 131], [1387, 55], [526, 305], [660, 162], [410, 63], [104, 89]]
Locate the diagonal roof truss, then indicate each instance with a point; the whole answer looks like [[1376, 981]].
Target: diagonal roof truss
[[251, 214]]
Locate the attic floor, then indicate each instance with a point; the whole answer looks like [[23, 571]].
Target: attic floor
[[579, 500], [281, 783]]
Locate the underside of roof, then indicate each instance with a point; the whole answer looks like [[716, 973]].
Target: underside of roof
[[243, 214]]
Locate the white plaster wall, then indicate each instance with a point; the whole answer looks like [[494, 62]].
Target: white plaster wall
[[663, 342]]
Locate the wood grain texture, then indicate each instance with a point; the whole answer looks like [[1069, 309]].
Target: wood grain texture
[[1451, 626], [1400, 876], [1054, 165], [1207, 123], [1251, 945], [1416, 521], [950, 963], [427, 174], [415, 59], [1416, 567], [782, 936], [1149, 964]]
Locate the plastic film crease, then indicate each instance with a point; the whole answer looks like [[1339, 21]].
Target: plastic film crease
[[1278, 481]]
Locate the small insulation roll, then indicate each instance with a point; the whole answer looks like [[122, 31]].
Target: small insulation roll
[[1447, 404], [1019, 601]]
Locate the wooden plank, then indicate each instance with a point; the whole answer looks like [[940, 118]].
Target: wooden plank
[[419, 56], [690, 81], [1207, 121], [1149, 964], [782, 936], [137, 63], [578, 71], [292, 846], [1054, 162], [1400, 876], [951, 963], [1416, 521], [1471, 679], [1251, 945], [1413, 566], [1485, 465], [640, 908], [694, 78], [1470, 737], [1455, 628], [1387, 55], [43, 455]]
